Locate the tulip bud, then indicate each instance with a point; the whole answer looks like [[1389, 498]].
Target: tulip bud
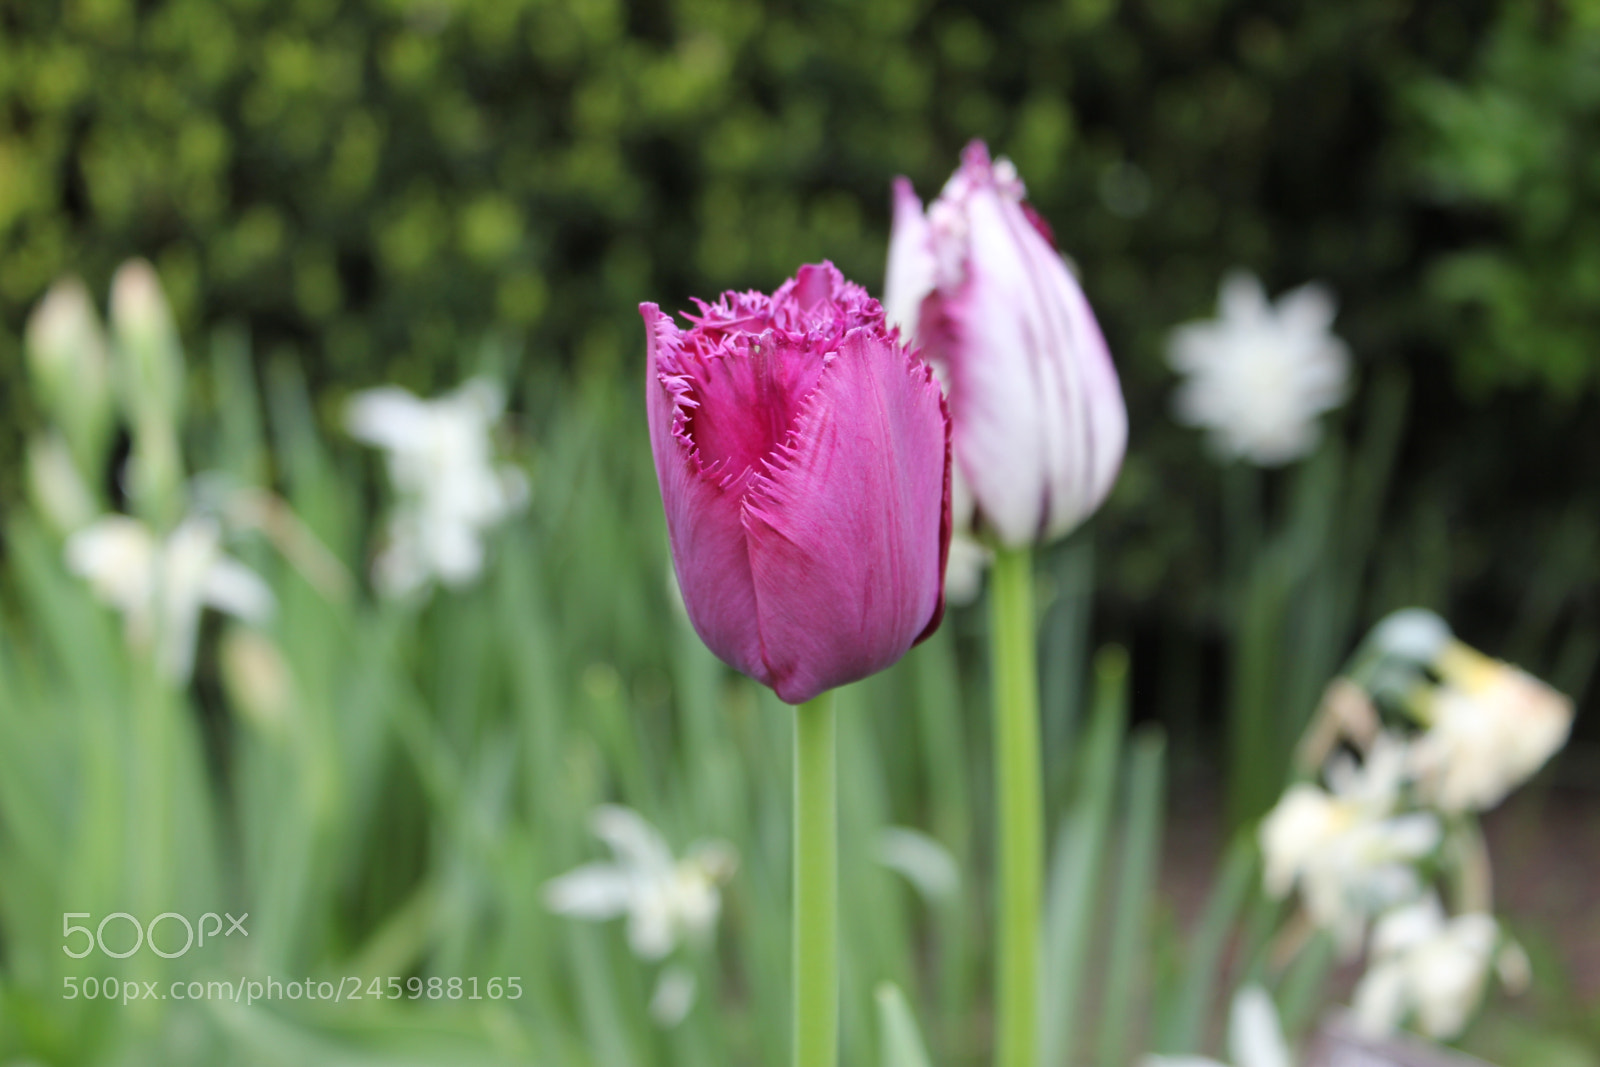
[[1038, 419], [803, 458], [71, 370], [150, 359]]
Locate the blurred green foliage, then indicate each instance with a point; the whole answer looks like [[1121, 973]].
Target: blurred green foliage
[[374, 185], [376, 179], [1515, 145]]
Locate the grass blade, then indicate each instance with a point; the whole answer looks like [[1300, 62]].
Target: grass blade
[[1130, 925], [1079, 848], [1186, 1029], [901, 1042]]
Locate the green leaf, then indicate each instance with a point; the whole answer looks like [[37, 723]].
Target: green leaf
[[1075, 873], [899, 1037]]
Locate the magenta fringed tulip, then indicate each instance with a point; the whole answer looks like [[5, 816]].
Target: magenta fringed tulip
[[804, 460], [1039, 422]]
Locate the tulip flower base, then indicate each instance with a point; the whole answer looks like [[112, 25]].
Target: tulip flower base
[[816, 885]]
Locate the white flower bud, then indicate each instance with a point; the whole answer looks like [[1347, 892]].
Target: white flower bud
[[150, 358], [70, 369]]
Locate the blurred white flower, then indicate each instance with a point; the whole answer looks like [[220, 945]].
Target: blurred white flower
[[921, 860], [1374, 783], [673, 996], [1259, 375], [1490, 726], [161, 586], [1416, 635], [1427, 966], [1255, 1036], [666, 901], [441, 463], [1348, 852]]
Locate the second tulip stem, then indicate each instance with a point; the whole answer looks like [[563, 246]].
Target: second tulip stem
[[1020, 803], [816, 886]]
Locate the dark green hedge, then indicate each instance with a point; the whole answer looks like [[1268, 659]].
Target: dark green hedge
[[378, 183], [377, 180]]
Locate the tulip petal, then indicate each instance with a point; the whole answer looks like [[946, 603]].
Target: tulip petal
[[836, 526], [703, 517], [910, 274], [1043, 407], [747, 398]]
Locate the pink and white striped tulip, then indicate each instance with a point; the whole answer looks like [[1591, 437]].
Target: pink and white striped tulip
[[1039, 422], [803, 454]]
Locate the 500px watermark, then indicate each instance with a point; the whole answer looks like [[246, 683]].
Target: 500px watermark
[[144, 934], [250, 990]]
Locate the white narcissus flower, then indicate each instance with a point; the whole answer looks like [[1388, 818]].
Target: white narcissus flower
[[1490, 726], [1413, 635], [667, 902], [1259, 375], [1375, 782], [1348, 852], [1038, 422], [441, 463], [1255, 1036], [1425, 966], [161, 586]]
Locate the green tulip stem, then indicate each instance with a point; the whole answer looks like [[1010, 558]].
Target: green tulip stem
[[1020, 807], [816, 885]]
